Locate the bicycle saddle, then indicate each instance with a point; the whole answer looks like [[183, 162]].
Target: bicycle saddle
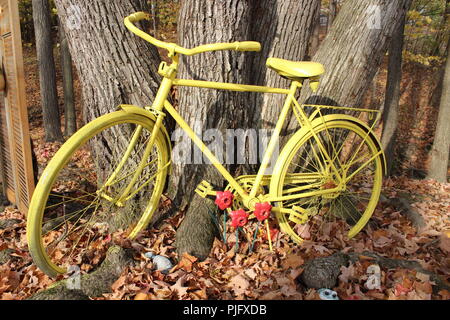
[[296, 70]]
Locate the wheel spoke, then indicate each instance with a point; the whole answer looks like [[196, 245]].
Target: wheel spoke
[[353, 156], [79, 208]]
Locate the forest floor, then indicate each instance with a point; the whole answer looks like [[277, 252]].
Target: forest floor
[[263, 274]]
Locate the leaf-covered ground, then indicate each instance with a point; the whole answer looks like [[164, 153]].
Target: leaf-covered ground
[[265, 274]]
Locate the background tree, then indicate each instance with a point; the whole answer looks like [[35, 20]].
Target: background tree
[[390, 112], [47, 71], [69, 98], [315, 39], [115, 66], [333, 12], [287, 27], [440, 151]]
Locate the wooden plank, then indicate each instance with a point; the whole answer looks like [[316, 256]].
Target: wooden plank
[[18, 166]]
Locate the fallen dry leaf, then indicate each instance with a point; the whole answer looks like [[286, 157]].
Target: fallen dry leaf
[[293, 261], [186, 262], [239, 284], [444, 243]]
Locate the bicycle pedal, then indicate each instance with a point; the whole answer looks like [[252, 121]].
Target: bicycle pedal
[[205, 189], [298, 215]]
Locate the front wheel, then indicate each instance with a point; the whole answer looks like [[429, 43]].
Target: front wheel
[[330, 181], [104, 179]]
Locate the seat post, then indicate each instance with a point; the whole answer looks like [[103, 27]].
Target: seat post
[[296, 86]]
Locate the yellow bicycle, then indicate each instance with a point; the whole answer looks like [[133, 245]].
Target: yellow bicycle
[[328, 175]]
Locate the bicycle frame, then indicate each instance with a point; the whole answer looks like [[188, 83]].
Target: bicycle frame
[[161, 104], [169, 74]]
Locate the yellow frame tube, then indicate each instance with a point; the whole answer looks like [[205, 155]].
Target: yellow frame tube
[[247, 198], [275, 137], [204, 149], [228, 86]]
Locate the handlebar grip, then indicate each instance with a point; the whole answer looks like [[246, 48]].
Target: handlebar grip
[[248, 46], [138, 16]]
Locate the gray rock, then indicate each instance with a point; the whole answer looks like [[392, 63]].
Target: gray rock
[[324, 272]]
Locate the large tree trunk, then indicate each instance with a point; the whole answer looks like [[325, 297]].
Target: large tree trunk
[[390, 113], [353, 50], [287, 26], [115, 67], [440, 152], [69, 99], [47, 71]]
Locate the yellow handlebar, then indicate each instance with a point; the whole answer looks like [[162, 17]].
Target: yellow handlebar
[[174, 48]]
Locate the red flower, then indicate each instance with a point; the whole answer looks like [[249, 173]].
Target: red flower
[[224, 200], [239, 218]]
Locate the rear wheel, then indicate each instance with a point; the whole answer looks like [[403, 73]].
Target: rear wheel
[[313, 165], [104, 179]]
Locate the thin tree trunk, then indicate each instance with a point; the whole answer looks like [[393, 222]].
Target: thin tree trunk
[[437, 92], [440, 151], [390, 113], [315, 39], [441, 34], [47, 70], [69, 98], [286, 33], [333, 13]]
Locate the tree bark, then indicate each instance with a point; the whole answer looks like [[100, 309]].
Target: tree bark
[[47, 70], [440, 151], [286, 32], [69, 98], [114, 65], [290, 26], [353, 51], [94, 284], [390, 113]]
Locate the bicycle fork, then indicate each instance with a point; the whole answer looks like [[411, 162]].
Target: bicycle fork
[[158, 105]]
